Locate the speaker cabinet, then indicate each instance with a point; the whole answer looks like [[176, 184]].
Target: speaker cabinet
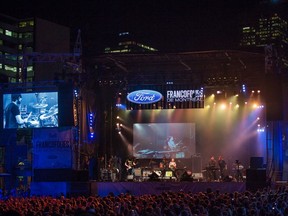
[[256, 162], [255, 179]]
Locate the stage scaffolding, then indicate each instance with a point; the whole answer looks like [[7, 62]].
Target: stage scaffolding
[[223, 70]]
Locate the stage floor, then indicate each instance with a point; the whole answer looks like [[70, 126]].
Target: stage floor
[[141, 188], [135, 188]]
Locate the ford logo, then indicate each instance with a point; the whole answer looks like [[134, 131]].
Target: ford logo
[[144, 96]]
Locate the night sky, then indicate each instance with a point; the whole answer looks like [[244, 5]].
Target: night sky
[[169, 26]]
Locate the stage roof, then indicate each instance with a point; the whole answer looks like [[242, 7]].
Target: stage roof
[[206, 68]]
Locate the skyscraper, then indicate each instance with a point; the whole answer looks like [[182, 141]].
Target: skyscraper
[[20, 38], [126, 44], [268, 31]]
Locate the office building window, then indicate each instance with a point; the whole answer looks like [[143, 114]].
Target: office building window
[[26, 23], [11, 33], [12, 79], [10, 56], [11, 68], [29, 79], [27, 35], [8, 33], [29, 49], [30, 68]]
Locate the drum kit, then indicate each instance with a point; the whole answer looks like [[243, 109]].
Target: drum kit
[[148, 174], [43, 118]]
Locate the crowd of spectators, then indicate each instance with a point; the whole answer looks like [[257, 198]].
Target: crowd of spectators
[[213, 203]]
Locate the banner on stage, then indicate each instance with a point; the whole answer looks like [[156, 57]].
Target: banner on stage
[[52, 148], [165, 97]]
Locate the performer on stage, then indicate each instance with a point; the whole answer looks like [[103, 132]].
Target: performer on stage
[[101, 166], [164, 164], [212, 168], [239, 168], [152, 164], [222, 166], [113, 167], [130, 163], [172, 164]]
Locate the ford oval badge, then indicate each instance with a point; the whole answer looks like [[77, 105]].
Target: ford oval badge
[[144, 96]]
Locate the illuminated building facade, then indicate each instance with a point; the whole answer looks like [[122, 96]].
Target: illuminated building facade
[[271, 31], [127, 44], [20, 38]]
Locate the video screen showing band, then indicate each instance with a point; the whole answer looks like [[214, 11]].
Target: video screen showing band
[[30, 110], [159, 140]]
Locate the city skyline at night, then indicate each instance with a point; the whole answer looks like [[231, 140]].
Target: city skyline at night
[[168, 26]]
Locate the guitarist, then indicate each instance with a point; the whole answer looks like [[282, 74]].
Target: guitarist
[[130, 164], [172, 164]]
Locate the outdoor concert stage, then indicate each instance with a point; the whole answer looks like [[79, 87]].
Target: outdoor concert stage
[[135, 188]]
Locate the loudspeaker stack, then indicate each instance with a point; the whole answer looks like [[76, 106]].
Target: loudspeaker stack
[[256, 175]]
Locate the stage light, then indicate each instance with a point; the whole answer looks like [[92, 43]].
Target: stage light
[[76, 93], [223, 106], [92, 135], [255, 106], [90, 124], [243, 88], [118, 128], [260, 130]]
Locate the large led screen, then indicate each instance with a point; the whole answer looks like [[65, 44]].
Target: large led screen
[[158, 140], [30, 110]]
